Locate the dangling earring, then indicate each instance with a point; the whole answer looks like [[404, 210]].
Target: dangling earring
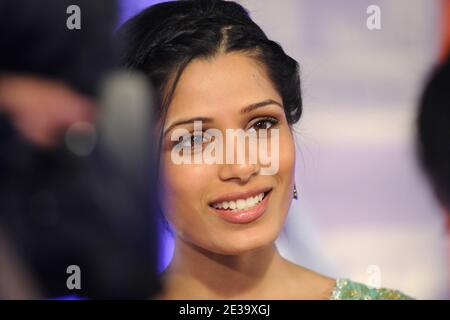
[[295, 192]]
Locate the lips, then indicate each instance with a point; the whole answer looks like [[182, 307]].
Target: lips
[[250, 205], [234, 196]]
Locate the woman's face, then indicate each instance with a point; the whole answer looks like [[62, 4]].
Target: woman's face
[[218, 90]]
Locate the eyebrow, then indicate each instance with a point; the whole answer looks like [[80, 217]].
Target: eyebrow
[[261, 104], [245, 110], [187, 121]]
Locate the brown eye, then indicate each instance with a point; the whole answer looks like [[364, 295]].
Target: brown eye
[[264, 124]]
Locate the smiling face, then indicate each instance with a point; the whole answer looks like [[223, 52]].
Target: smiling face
[[228, 91]]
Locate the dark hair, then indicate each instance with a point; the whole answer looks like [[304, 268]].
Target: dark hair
[[434, 131], [164, 38]]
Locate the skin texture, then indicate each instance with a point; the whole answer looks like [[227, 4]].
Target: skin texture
[[41, 109], [216, 259]]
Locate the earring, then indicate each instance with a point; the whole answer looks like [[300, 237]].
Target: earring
[[295, 192]]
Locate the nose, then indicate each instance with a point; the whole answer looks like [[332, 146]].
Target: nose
[[243, 164], [242, 172]]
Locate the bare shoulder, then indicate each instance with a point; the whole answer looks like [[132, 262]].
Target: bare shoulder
[[311, 284]]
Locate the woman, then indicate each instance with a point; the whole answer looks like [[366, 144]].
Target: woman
[[212, 64]]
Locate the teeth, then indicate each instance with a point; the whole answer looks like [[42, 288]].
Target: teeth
[[240, 204]]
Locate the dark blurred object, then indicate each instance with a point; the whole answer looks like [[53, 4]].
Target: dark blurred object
[[71, 205], [434, 131], [34, 39]]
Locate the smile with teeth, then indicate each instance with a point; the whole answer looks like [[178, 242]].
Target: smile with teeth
[[239, 204]]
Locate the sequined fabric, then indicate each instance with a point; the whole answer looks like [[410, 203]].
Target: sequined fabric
[[346, 289]]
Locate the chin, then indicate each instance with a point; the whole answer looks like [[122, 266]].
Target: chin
[[245, 240]]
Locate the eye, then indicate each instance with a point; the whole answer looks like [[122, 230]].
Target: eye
[[265, 123], [193, 140]]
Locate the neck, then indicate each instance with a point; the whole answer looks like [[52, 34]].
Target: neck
[[195, 272]]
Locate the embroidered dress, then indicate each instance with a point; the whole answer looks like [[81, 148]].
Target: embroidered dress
[[346, 289]]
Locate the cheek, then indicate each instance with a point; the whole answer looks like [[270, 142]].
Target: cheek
[[286, 171], [286, 155], [184, 189]]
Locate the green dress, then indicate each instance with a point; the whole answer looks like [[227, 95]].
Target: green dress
[[346, 289]]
